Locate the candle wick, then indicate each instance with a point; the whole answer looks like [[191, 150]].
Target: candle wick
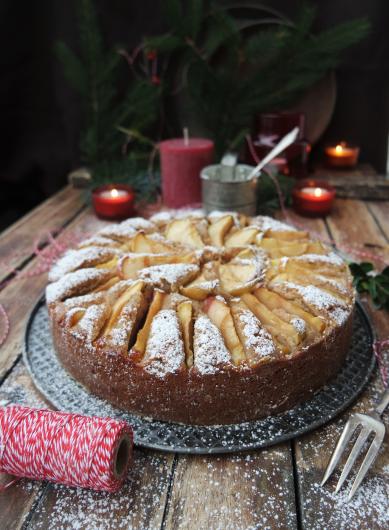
[[186, 136]]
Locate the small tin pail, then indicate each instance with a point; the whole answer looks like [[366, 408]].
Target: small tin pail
[[227, 189]]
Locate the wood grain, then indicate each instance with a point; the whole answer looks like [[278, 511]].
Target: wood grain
[[320, 507], [16, 243], [253, 490], [139, 505], [19, 297]]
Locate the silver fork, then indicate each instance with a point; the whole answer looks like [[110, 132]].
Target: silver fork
[[370, 423]]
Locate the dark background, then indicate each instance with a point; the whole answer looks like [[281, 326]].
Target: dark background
[[40, 113]]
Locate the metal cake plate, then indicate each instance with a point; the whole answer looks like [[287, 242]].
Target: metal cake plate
[[67, 394]]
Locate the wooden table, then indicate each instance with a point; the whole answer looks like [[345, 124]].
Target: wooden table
[[273, 488]]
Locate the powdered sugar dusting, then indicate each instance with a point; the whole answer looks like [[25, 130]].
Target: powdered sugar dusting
[[331, 258], [257, 338], [169, 275], [299, 325], [265, 223], [74, 259], [73, 282], [165, 349], [319, 299], [210, 352]]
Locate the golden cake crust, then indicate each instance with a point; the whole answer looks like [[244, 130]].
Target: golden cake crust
[[171, 325]]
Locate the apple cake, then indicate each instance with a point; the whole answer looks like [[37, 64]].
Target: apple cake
[[201, 319]]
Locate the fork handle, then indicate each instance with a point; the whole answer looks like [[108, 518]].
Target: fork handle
[[383, 403]]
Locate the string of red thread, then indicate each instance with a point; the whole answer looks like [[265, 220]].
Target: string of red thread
[[69, 449]]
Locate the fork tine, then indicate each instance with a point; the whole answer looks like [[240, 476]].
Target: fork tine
[[367, 462], [363, 436], [348, 430]]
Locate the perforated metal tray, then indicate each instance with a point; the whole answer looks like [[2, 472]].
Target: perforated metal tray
[[67, 394]]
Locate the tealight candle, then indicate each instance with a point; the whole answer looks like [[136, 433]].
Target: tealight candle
[[313, 197], [113, 201], [341, 155]]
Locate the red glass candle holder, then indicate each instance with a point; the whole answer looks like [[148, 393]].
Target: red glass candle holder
[[113, 201], [313, 198], [341, 155]]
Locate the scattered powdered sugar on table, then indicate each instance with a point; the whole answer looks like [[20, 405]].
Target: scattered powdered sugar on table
[[210, 350], [257, 338], [165, 348]]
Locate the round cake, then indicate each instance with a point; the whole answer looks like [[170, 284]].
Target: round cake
[[201, 319]]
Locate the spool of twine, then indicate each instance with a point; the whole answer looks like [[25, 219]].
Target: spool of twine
[[70, 449]]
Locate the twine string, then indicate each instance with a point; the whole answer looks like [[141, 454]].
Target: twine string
[[70, 449]]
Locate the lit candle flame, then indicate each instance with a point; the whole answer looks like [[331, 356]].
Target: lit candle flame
[[339, 148], [114, 193], [318, 192]]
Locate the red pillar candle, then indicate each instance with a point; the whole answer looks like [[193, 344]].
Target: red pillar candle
[[313, 197], [181, 162], [113, 201]]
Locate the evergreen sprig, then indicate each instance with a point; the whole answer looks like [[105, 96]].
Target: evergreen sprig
[[366, 280], [94, 74], [231, 75]]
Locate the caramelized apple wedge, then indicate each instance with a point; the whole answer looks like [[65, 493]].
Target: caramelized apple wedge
[[287, 235], [185, 317], [200, 288], [285, 333], [130, 265], [242, 237], [120, 303], [257, 341], [218, 230], [184, 231], [220, 314], [139, 348], [149, 245], [274, 302]]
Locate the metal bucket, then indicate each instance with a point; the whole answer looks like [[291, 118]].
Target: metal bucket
[[227, 188]]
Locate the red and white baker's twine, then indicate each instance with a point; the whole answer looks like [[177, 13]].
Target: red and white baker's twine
[[65, 448]]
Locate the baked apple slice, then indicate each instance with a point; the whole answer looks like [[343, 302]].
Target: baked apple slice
[[219, 229], [130, 265], [241, 237], [171, 276], [200, 288], [185, 317], [274, 302], [285, 333], [149, 245], [287, 235], [139, 348], [220, 314], [118, 306], [237, 279], [184, 231], [257, 341]]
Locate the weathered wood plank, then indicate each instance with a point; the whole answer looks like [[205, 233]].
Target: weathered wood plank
[[380, 212], [138, 505], [230, 492], [17, 241], [320, 507], [19, 296]]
